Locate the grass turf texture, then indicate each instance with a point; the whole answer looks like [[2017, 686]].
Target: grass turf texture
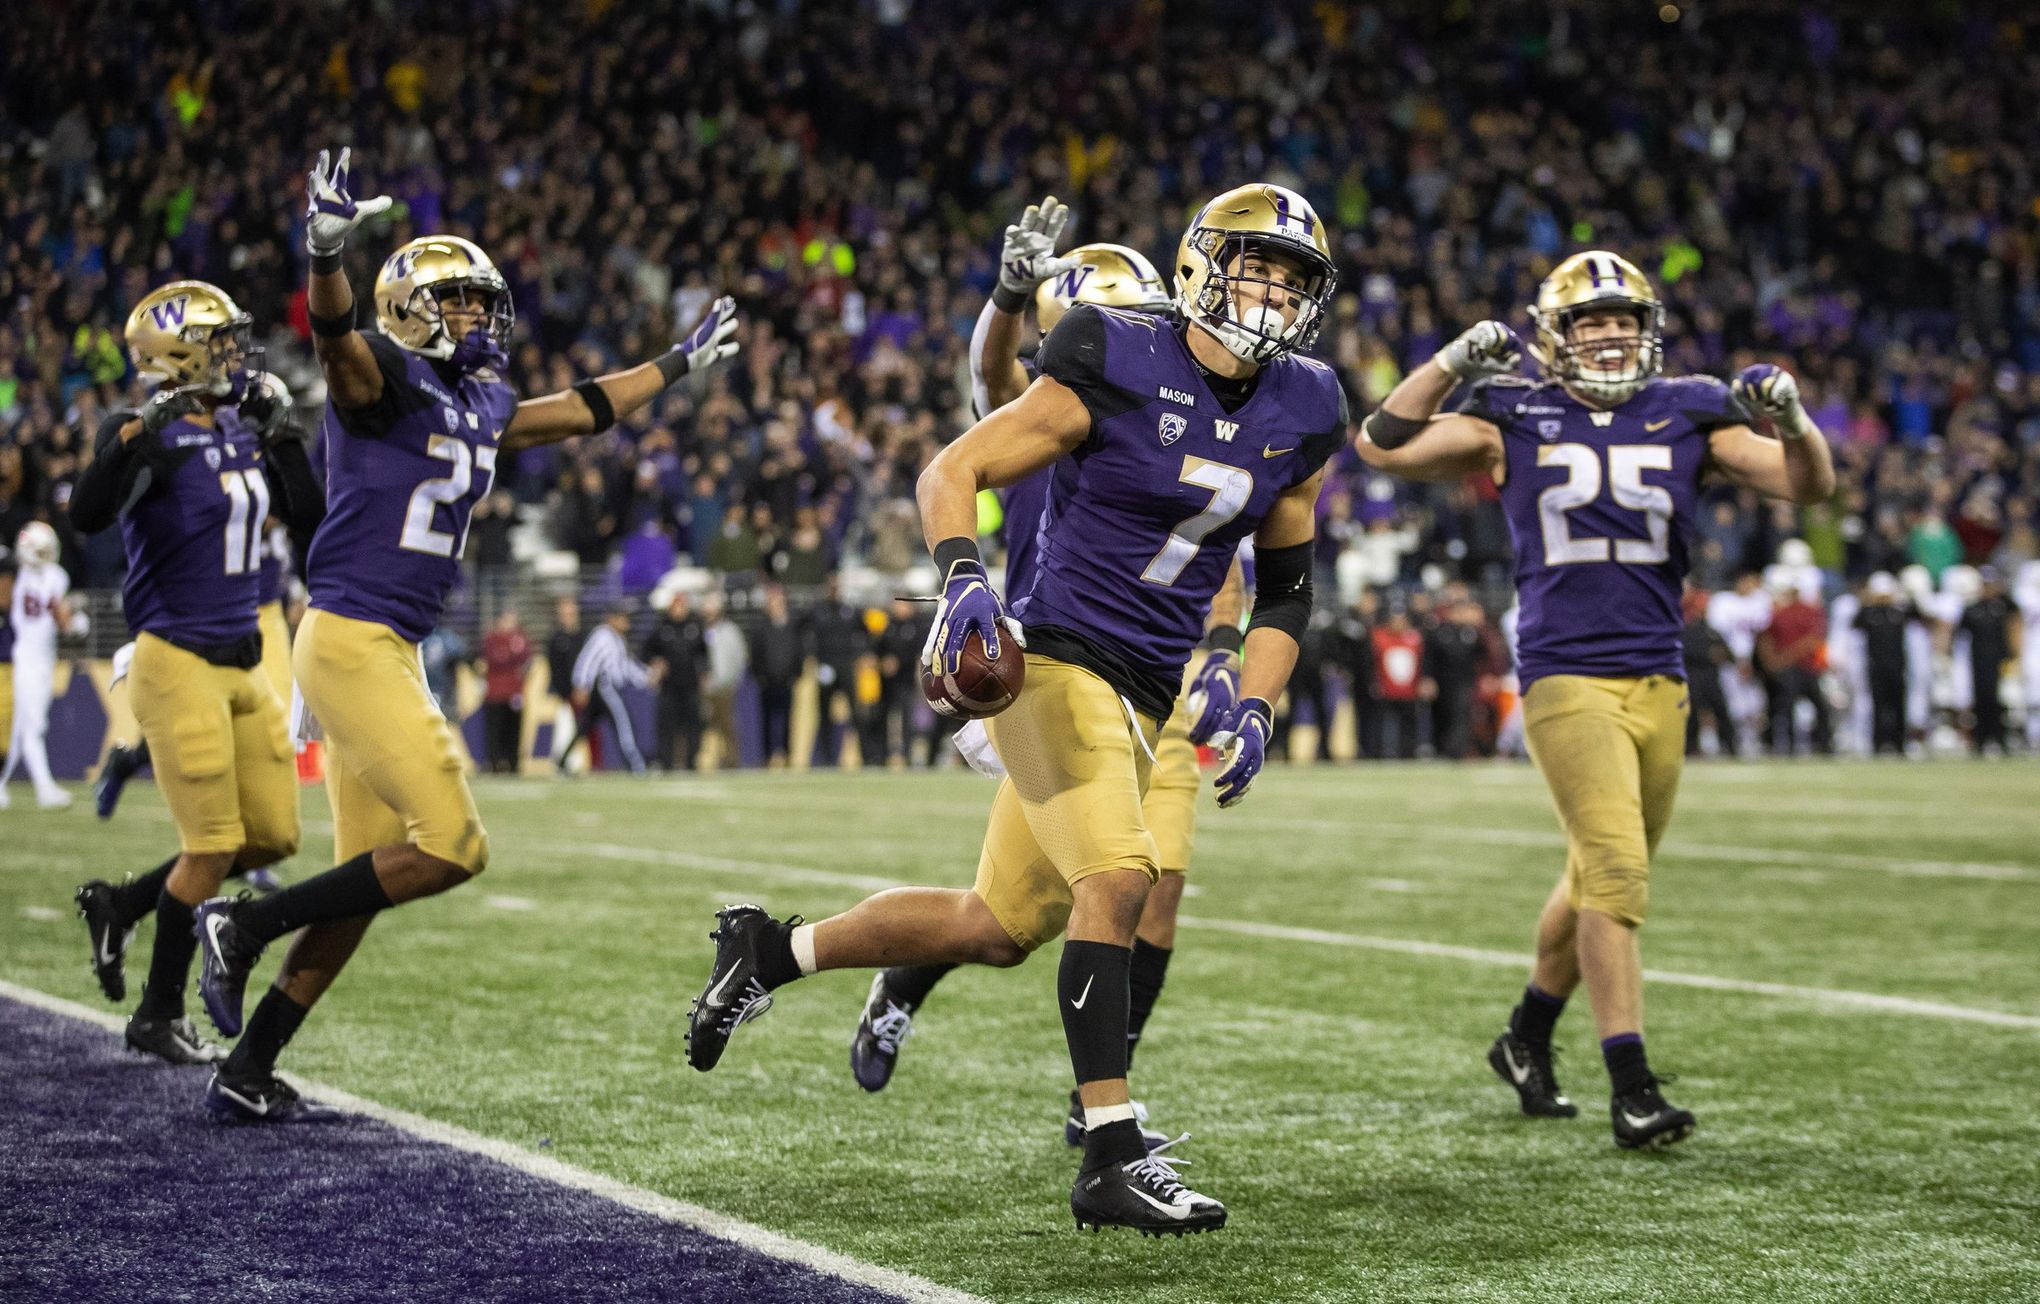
[[1338, 1095]]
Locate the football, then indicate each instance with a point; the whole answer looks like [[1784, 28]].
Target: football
[[981, 685]]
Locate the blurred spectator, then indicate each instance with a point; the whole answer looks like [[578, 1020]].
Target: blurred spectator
[[1791, 650], [1307, 684], [728, 658], [899, 670], [506, 656], [1354, 651], [441, 654], [1992, 623], [1398, 681], [1455, 658], [602, 672], [678, 649], [1882, 622], [777, 656], [562, 649], [836, 639], [1705, 652]]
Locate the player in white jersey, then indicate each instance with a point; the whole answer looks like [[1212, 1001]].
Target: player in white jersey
[[1848, 661], [1739, 615], [36, 610], [2027, 595]]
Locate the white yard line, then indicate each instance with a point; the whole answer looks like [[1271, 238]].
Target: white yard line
[[747, 1235], [1834, 997]]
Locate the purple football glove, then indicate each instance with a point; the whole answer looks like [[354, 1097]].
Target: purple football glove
[[1214, 691], [968, 607], [1244, 741], [1772, 396], [331, 212], [712, 340]]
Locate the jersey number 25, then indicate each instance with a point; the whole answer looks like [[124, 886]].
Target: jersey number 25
[[1583, 478]]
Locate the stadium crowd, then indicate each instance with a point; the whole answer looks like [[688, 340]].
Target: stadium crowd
[[1846, 190]]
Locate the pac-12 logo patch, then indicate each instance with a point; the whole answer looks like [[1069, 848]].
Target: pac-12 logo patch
[[1172, 427], [212, 458], [1549, 429]]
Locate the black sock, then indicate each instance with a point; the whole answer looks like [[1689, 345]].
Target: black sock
[[1118, 1142], [776, 965], [344, 892], [135, 898], [170, 962], [1144, 981], [1627, 1068], [269, 1030], [1535, 1017], [910, 984], [1093, 993]]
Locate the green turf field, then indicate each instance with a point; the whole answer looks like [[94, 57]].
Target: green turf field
[[1348, 952]]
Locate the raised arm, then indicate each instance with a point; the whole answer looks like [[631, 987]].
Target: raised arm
[[352, 378], [592, 406], [1790, 460], [1026, 259], [1405, 436]]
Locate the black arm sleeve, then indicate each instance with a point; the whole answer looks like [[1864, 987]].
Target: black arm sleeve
[[116, 476], [1282, 588], [298, 498]]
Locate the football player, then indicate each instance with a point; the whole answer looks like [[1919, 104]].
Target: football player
[[416, 416], [1111, 276], [1187, 435], [190, 479], [36, 610], [1599, 464]]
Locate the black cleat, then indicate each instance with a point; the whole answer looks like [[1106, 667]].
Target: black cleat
[[109, 939], [1526, 1066], [1073, 1125], [225, 955], [121, 763], [882, 1029], [174, 1041], [1645, 1120], [262, 1098], [735, 994], [1145, 1195]]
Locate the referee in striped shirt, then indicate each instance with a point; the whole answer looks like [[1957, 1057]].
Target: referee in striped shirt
[[601, 672]]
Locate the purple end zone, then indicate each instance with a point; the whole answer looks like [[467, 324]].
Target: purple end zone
[[115, 1185]]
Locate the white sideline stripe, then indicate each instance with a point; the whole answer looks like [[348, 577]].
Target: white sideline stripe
[[1817, 995], [747, 1235], [1838, 997], [42, 914], [509, 903]]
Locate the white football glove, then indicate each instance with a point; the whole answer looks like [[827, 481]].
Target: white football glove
[[1027, 258], [1487, 348], [1772, 395], [331, 213]]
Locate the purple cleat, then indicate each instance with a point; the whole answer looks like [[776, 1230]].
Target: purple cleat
[[225, 955]]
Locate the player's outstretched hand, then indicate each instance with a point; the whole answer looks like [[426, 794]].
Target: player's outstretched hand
[[1027, 258], [1243, 740], [331, 212], [1214, 691], [968, 607], [713, 339], [1772, 396], [1487, 348]]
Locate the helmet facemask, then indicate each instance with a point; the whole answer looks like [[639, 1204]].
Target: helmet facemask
[[233, 360], [483, 346], [1255, 332], [1581, 364]]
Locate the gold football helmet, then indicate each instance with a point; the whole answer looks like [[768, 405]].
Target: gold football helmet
[[420, 275], [1110, 275], [191, 334], [1254, 219], [1588, 282]]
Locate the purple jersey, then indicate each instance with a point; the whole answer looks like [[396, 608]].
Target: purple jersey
[[402, 476], [275, 560], [1600, 507], [1140, 532], [1024, 505], [193, 534]]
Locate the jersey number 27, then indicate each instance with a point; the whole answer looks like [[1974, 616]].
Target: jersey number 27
[[419, 536]]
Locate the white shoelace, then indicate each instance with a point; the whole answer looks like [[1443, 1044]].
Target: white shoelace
[[1158, 1172], [753, 1001], [893, 1027]]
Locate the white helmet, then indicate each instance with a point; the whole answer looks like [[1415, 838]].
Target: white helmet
[[1917, 581], [1795, 552], [36, 545], [1962, 582]]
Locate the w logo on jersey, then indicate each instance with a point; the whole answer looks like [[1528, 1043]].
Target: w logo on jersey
[[169, 314], [1071, 283], [1226, 430], [1172, 427]]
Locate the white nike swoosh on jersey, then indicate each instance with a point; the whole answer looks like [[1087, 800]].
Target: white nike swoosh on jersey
[[715, 992], [1519, 1072], [1177, 1211], [1634, 1121], [1078, 1003]]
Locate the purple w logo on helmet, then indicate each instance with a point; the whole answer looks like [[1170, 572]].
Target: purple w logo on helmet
[[1283, 217], [170, 312], [1071, 283], [1613, 275]]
